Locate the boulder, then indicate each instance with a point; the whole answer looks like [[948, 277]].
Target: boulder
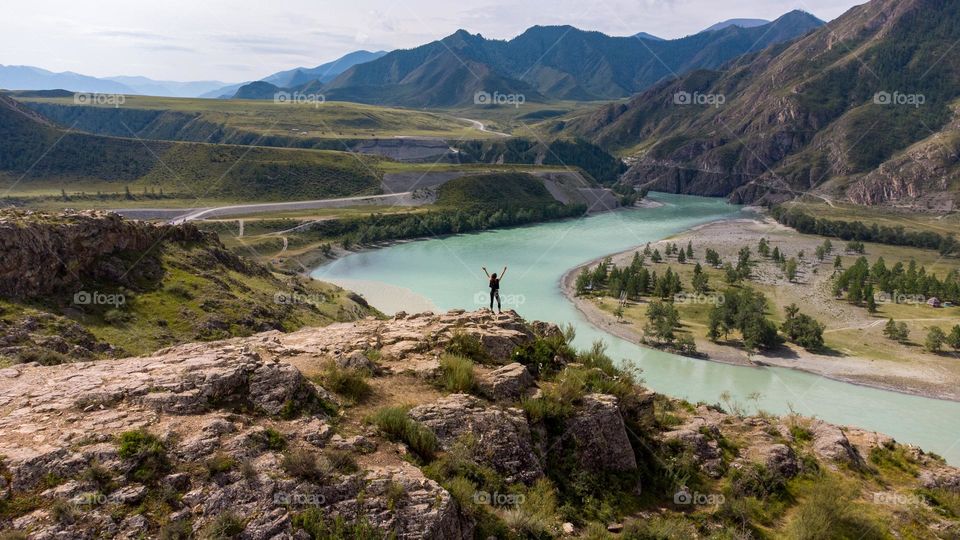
[[780, 458], [498, 437], [947, 479], [599, 435], [402, 500], [830, 443], [358, 361], [508, 383]]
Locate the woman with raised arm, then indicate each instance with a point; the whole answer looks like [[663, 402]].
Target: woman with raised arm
[[495, 287]]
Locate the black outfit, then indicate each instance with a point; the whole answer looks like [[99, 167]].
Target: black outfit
[[495, 293]]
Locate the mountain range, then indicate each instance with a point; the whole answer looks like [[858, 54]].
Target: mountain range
[[544, 63], [34, 78], [861, 109]]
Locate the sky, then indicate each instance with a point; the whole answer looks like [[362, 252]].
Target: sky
[[240, 40]]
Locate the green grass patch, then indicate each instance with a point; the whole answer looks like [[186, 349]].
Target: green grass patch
[[456, 374], [398, 426]]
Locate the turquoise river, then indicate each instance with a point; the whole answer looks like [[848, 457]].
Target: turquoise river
[[445, 273]]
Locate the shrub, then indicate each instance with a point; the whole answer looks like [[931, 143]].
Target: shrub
[[179, 290], [894, 458], [44, 357], [219, 463], [467, 346], [396, 425], [248, 471], [319, 527], [758, 481], [302, 464], [63, 512], [116, 316], [99, 476], [147, 452], [395, 494], [459, 462], [828, 512], [349, 383], [342, 461], [225, 526], [456, 374], [272, 439], [176, 530], [800, 433], [546, 355]]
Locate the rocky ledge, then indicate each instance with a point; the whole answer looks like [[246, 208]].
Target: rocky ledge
[[238, 439]]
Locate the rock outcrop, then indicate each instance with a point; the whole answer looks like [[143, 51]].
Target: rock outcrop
[[599, 436], [495, 436], [237, 435], [43, 253]]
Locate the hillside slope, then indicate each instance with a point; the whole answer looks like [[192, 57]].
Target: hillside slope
[[36, 154], [86, 285], [864, 108]]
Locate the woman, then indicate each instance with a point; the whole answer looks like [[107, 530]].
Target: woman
[[495, 287]]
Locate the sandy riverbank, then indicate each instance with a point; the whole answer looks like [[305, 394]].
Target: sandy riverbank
[[916, 374]]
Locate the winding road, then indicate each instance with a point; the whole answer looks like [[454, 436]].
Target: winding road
[[399, 199], [481, 127]]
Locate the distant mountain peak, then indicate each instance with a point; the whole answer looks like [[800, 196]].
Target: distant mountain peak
[[645, 35], [742, 23]]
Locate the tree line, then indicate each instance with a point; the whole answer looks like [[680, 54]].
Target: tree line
[[380, 227], [857, 230], [861, 281]]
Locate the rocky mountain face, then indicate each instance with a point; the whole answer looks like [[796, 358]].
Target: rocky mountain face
[[41, 254], [234, 438], [545, 62], [860, 109], [87, 285]]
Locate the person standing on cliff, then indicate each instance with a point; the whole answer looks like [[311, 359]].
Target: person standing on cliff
[[495, 287]]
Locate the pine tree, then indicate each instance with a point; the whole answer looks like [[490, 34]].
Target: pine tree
[[871, 301], [954, 338], [935, 340]]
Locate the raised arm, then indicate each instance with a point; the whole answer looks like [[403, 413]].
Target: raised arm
[[504, 272], [485, 271]]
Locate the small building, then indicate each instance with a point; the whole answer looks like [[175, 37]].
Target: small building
[[934, 302]]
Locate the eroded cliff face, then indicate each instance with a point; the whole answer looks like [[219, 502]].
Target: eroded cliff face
[[235, 434]]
